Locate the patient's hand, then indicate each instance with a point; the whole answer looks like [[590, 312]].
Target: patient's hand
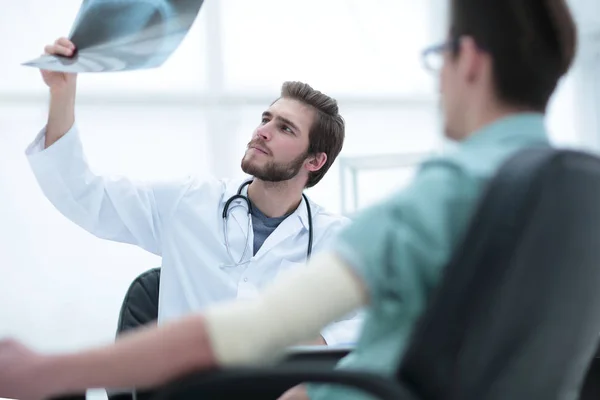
[[295, 393], [22, 374]]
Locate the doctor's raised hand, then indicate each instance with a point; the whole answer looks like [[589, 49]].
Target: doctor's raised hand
[[60, 80]]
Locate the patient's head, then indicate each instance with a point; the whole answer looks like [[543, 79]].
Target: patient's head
[[299, 136], [502, 56]]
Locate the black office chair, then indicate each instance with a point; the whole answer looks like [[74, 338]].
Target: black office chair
[[140, 306], [516, 314]]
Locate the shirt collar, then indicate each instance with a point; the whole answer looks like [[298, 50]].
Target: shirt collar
[[232, 187], [522, 127]]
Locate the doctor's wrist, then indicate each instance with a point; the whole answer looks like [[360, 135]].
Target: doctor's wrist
[[64, 96]]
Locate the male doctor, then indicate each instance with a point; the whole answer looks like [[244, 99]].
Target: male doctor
[[206, 258]]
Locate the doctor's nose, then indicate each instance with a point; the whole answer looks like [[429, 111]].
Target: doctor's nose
[[264, 132]]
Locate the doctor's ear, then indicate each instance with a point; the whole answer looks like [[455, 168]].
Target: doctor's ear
[[316, 161]]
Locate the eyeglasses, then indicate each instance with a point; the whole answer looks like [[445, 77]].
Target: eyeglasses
[[433, 56]]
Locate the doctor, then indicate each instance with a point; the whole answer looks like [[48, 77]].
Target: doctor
[[219, 240]]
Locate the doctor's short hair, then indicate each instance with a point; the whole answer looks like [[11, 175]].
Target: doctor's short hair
[[532, 44], [328, 130]]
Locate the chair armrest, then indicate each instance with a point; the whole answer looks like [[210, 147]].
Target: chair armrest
[[325, 355], [270, 383]]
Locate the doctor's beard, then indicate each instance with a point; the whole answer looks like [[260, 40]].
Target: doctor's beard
[[273, 172]]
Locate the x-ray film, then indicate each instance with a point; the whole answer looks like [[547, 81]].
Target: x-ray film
[[121, 35]]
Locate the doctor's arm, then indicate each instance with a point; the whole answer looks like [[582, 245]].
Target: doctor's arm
[[63, 90], [236, 333], [110, 208]]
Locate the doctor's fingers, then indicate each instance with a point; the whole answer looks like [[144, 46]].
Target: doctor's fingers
[[63, 41], [56, 49], [62, 46]]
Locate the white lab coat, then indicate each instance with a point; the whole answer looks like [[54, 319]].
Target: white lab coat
[[182, 222]]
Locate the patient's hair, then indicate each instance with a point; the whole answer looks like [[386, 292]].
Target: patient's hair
[[328, 130], [532, 44]]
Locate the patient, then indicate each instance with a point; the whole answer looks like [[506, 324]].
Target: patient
[[495, 88]]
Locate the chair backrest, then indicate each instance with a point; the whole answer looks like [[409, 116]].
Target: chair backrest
[[517, 313], [140, 306]]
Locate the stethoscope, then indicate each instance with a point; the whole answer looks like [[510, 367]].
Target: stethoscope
[[240, 196]]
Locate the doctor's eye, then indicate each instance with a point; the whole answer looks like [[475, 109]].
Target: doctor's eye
[[287, 129], [264, 120]]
